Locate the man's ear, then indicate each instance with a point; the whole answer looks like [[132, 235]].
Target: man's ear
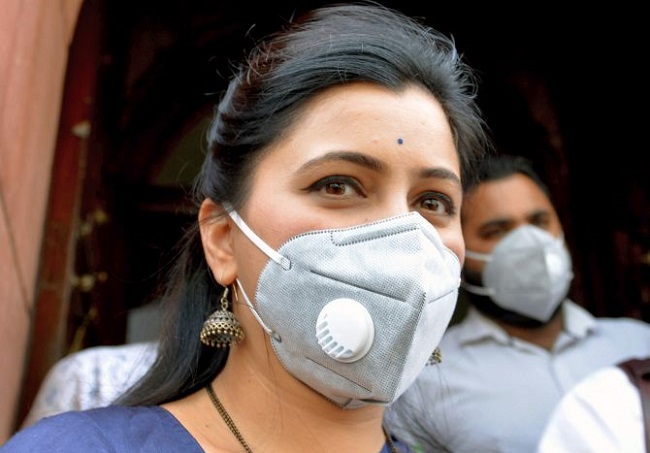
[[215, 228]]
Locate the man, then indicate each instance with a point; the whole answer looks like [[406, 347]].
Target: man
[[522, 343]]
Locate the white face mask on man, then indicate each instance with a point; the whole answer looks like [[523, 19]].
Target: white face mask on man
[[355, 313], [528, 272]]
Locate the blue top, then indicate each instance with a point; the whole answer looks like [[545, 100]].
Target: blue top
[[111, 429]]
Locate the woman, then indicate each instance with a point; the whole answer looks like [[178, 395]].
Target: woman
[[326, 260]]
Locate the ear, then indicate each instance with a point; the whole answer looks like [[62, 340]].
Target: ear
[[215, 228]]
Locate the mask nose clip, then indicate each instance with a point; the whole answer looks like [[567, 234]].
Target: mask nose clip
[[345, 330]]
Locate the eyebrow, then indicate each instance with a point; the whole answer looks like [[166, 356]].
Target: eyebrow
[[376, 165], [495, 223], [506, 222], [440, 173], [346, 156]]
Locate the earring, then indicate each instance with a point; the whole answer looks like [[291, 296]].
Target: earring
[[222, 329], [435, 357]]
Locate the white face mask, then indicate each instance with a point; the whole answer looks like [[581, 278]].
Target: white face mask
[[528, 272], [355, 313]]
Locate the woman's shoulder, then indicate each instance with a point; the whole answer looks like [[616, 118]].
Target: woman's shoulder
[[112, 428]]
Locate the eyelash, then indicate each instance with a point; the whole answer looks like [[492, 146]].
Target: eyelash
[[438, 197], [541, 221], [341, 180]]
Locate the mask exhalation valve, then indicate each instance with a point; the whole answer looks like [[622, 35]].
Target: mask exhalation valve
[[345, 330]]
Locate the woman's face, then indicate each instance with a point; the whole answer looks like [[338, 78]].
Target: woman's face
[[359, 153]]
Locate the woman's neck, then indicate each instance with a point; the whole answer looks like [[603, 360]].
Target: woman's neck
[[274, 412]]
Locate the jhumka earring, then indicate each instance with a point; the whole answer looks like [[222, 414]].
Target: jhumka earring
[[222, 329], [435, 357]]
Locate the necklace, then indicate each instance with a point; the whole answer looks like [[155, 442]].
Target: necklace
[[226, 418], [233, 428]]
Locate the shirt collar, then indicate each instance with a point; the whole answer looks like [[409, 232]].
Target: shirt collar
[[578, 323], [476, 327]]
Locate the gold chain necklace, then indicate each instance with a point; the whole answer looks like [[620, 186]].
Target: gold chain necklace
[[233, 428]]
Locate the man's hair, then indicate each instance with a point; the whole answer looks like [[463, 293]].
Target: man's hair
[[495, 167]]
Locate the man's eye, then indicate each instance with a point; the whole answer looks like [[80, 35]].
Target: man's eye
[[494, 233], [542, 223]]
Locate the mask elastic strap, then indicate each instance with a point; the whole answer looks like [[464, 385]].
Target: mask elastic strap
[[478, 290], [478, 256], [255, 239], [252, 309]]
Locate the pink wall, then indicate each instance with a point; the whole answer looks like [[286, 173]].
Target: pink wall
[[34, 40]]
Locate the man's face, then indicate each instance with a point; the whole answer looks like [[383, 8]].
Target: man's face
[[494, 208]]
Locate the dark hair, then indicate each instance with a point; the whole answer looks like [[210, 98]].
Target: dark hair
[[498, 166], [330, 46]]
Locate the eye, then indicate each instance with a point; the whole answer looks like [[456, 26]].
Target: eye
[[436, 204], [338, 186], [541, 220], [494, 232]]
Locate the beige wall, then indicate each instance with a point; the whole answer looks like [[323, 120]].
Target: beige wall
[[34, 40]]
